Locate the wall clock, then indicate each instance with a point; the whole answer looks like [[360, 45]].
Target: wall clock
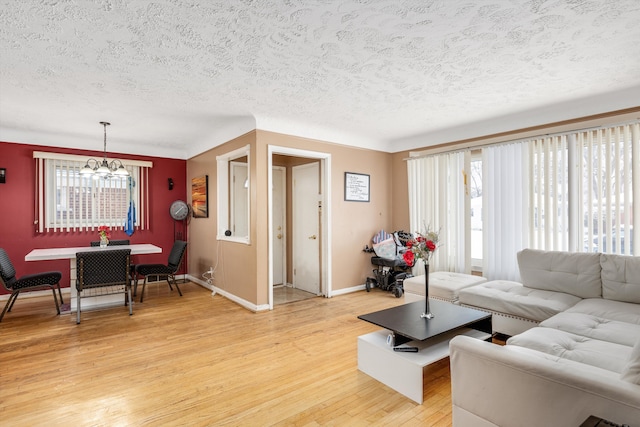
[[179, 210]]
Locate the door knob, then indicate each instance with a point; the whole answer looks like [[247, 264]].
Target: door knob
[[279, 236], [313, 237]]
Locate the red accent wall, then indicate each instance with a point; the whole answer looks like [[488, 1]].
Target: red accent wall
[[18, 234]]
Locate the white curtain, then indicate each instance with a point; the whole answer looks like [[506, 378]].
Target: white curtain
[[439, 201], [504, 209]]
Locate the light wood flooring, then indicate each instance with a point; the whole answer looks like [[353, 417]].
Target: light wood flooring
[[202, 361]]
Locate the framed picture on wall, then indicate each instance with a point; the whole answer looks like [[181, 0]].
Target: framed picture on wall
[[356, 187], [199, 195]]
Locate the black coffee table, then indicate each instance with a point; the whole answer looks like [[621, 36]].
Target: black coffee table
[[403, 371], [407, 325]]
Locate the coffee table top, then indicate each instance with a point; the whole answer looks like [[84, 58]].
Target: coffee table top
[[405, 319]]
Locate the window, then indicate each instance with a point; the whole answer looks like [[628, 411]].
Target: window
[[568, 192], [68, 201]]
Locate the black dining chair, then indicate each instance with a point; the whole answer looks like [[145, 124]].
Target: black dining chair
[[30, 282], [167, 271], [108, 270], [121, 242]]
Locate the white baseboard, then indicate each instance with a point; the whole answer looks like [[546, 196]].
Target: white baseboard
[[66, 292], [347, 290], [242, 302]]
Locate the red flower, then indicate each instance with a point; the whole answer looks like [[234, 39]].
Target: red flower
[[409, 258], [103, 231], [430, 245]]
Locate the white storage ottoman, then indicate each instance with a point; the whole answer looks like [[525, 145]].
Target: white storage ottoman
[[443, 285]]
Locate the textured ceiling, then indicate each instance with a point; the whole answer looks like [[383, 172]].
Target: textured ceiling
[[177, 77]]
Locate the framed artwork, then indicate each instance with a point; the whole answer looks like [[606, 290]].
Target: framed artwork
[[356, 187], [199, 195]]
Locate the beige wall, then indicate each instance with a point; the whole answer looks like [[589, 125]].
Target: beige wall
[[236, 267], [400, 192], [242, 270]]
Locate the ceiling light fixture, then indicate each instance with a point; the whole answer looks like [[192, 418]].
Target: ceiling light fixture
[[105, 169]]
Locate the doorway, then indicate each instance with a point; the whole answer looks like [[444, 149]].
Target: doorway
[[320, 237]]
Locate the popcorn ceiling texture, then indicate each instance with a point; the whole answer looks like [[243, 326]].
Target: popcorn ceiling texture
[[171, 75]]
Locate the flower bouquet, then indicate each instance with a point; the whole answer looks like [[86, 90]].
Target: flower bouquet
[[103, 233], [422, 246]]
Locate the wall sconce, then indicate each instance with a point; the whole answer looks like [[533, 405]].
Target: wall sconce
[[3, 175], [170, 183]]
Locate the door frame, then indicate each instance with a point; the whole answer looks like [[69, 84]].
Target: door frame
[[325, 234]]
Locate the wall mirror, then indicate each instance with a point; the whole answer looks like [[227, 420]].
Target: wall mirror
[[234, 189]]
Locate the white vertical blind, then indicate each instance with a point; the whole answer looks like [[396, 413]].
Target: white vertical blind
[[505, 209], [438, 200], [607, 190], [549, 193]]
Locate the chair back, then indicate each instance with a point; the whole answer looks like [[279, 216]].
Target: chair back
[[176, 254], [103, 268], [7, 271], [122, 242]]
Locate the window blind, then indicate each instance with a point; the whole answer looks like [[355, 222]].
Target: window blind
[[439, 200]]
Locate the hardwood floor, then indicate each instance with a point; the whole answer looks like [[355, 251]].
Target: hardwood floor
[[201, 360]]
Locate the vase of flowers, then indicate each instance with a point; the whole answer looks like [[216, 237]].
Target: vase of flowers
[[422, 246], [103, 233]]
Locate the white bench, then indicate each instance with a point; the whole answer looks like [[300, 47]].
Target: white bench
[[443, 285]]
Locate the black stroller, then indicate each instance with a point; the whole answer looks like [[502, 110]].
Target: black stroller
[[391, 270]]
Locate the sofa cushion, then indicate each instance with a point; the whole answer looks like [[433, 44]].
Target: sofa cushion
[[569, 272], [620, 277], [631, 371], [589, 325], [605, 355], [444, 285], [509, 297], [608, 309]]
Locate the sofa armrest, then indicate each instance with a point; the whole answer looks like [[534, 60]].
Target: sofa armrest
[[512, 386]]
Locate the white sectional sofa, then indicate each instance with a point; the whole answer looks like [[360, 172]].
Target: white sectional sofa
[[575, 349]]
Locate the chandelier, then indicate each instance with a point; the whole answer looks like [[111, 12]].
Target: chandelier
[[104, 169]]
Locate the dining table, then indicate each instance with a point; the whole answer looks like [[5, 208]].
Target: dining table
[[97, 300]]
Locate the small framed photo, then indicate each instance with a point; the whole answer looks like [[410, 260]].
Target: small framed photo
[[356, 187]]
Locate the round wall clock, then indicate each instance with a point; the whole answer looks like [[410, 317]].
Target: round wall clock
[[179, 210]]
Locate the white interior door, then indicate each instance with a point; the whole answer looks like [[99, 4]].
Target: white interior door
[[278, 224], [306, 227]]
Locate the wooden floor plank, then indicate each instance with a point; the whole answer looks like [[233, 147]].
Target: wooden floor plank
[[203, 360]]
